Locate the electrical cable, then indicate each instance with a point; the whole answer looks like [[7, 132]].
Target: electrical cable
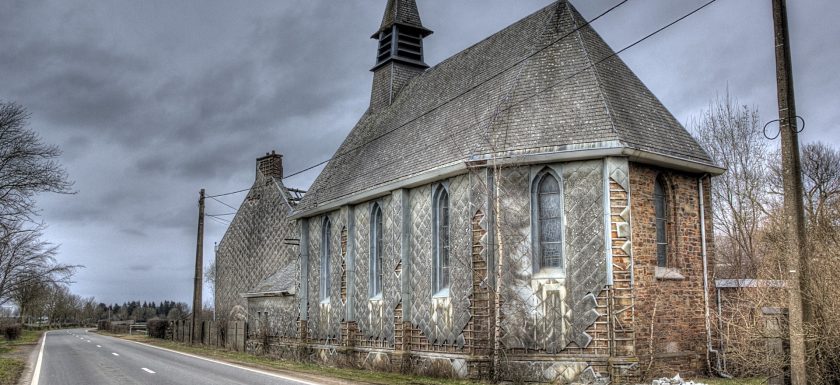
[[551, 86]]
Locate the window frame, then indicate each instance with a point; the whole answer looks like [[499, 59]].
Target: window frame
[[439, 269], [662, 224], [540, 271], [325, 284], [376, 258]]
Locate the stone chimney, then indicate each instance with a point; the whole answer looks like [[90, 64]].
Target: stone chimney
[[270, 165]]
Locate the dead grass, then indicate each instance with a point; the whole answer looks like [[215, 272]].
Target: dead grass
[[732, 381]]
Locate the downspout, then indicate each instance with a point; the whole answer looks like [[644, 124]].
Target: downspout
[[709, 348], [720, 327]]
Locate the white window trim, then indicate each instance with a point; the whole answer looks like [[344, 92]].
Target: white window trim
[[436, 291], [539, 272], [326, 250], [373, 275]]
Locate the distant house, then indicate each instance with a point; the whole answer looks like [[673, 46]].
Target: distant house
[[526, 207], [256, 267]]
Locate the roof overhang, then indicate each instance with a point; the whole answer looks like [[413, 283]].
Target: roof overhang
[[565, 153], [264, 294], [750, 282]]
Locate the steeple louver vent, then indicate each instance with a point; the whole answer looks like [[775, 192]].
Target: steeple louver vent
[[399, 53], [401, 43]]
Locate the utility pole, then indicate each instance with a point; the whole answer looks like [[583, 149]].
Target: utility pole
[[199, 266], [795, 245]]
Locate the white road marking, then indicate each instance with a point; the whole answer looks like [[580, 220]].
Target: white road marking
[[98, 346], [265, 373], [37, 376], [115, 354], [149, 370]]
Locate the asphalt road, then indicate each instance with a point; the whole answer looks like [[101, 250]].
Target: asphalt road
[[75, 357]]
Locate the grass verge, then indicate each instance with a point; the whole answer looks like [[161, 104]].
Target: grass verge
[[10, 370], [262, 362], [13, 355]]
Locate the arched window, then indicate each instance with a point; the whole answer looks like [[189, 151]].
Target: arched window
[[325, 258], [547, 200], [375, 279], [440, 237], [660, 205]]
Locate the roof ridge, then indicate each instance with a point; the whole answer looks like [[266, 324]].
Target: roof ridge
[[491, 37], [575, 15]]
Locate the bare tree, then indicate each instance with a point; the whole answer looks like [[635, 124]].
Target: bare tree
[[732, 135], [27, 166], [821, 179], [26, 260]]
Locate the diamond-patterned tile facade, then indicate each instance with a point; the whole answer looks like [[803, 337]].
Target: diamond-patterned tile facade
[[325, 318], [586, 273], [375, 318], [420, 203], [460, 260], [253, 248], [442, 321], [548, 314]]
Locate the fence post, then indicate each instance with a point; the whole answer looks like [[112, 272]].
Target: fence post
[[775, 327]]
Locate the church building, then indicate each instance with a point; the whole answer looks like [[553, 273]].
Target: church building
[[524, 210]]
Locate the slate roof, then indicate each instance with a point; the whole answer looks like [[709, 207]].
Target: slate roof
[[401, 12], [282, 281], [532, 88]]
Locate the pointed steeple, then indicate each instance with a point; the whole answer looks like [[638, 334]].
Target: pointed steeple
[[399, 55]]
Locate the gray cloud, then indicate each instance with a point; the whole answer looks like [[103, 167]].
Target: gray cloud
[[152, 101]]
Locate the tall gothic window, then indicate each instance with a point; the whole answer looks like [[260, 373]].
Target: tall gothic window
[[440, 236], [660, 205], [325, 259], [548, 208], [375, 279]]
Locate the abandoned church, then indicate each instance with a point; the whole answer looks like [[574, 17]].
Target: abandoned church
[[524, 210]]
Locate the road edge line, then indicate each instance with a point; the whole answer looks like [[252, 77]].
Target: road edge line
[[36, 376], [253, 370]]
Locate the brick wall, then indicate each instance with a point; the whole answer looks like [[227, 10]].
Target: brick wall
[[670, 310]]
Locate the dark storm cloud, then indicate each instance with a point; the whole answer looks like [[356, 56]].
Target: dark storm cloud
[[152, 101]]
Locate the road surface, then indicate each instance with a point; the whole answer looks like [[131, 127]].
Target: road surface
[[76, 357]]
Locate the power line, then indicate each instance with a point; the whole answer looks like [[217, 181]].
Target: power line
[[228, 193], [220, 215], [550, 86], [224, 222], [217, 200], [593, 65], [336, 156]]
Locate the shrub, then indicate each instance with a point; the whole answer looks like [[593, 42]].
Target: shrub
[[11, 332], [157, 328]]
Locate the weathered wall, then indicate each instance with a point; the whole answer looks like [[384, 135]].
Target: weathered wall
[[324, 321], [548, 314], [441, 320], [279, 315], [591, 319], [253, 247], [375, 317], [669, 311]]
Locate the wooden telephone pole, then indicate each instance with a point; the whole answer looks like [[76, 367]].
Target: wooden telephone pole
[[199, 267], [795, 245]]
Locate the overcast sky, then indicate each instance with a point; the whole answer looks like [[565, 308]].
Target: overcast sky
[[153, 100]]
